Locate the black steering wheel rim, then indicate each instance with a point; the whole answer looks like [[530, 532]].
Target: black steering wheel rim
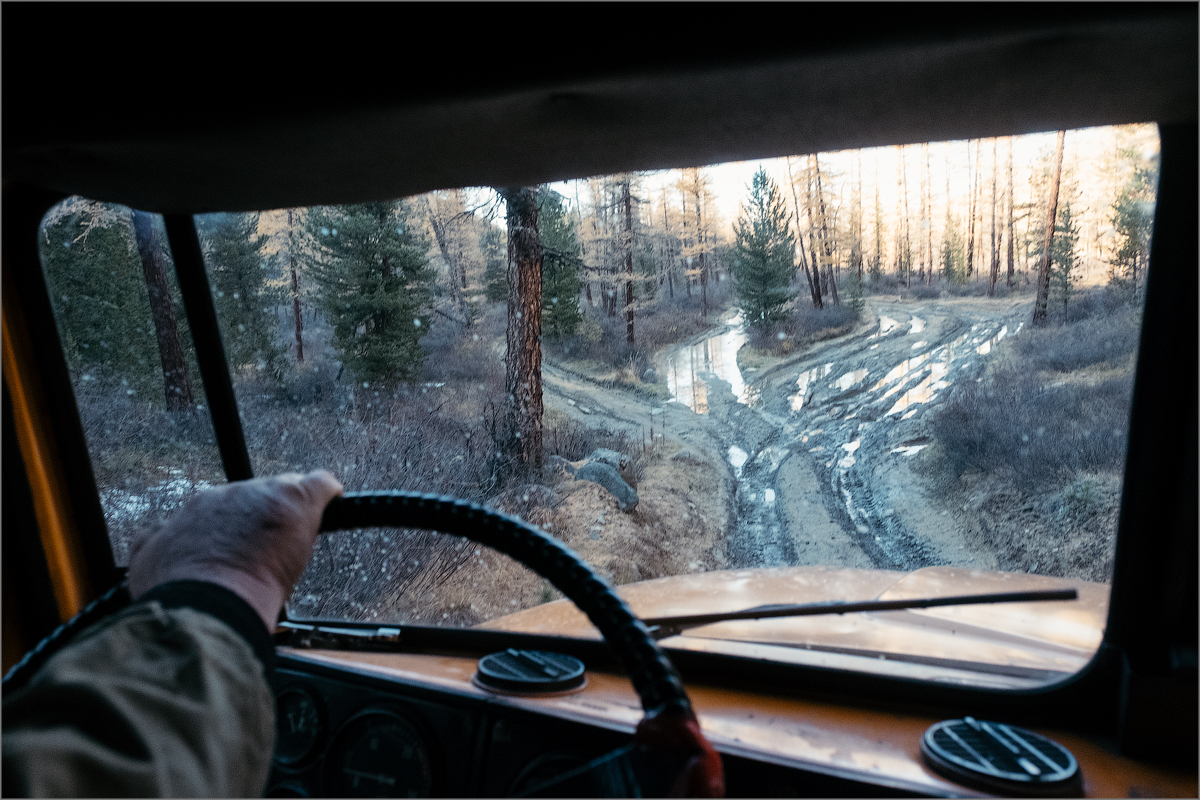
[[653, 676]]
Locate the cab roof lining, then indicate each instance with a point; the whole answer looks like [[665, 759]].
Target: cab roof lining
[[1108, 66]]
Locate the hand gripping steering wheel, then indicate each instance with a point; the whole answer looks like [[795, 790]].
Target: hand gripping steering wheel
[[669, 725]]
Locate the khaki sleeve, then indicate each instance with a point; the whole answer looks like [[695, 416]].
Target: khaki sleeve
[[151, 702]]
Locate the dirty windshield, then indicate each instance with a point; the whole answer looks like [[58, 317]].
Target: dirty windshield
[[880, 360]]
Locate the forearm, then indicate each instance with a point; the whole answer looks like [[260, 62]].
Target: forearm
[[159, 700]]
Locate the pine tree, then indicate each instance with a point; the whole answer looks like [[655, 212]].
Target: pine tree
[[763, 265], [375, 287], [1063, 257], [99, 294], [245, 304], [494, 247], [561, 262], [1133, 221]]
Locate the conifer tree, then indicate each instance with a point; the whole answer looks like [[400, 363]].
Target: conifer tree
[[245, 304], [561, 262], [375, 287], [494, 246], [1063, 257], [763, 265]]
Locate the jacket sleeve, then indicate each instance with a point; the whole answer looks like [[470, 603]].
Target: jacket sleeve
[[163, 699]]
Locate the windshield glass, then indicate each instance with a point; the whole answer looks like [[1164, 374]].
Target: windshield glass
[[839, 376]]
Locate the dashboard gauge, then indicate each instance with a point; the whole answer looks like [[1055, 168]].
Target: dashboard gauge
[[379, 754], [299, 724]]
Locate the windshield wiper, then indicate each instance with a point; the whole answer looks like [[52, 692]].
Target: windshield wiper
[[662, 627]]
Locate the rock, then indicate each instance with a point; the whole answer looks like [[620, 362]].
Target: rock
[[610, 479], [558, 467], [618, 461], [585, 410], [650, 375]]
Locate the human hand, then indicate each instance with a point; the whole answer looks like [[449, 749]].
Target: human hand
[[252, 537]]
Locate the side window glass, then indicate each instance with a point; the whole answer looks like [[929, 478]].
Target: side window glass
[[131, 359]]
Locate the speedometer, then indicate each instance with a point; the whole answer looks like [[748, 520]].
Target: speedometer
[[379, 754]]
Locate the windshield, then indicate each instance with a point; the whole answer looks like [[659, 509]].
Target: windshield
[[836, 376]]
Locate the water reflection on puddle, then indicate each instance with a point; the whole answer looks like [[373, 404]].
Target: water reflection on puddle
[[986, 347], [686, 369], [737, 457], [804, 380], [849, 379]]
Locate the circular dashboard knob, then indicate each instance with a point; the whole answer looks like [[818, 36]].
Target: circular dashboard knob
[[530, 672]]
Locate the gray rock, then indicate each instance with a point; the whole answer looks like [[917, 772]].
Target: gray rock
[[650, 375], [618, 461], [610, 479]]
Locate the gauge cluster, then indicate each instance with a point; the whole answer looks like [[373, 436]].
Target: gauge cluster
[[349, 733], [364, 736]]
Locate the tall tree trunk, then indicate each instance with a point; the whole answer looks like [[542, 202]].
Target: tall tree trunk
[[1043, 288], [456, 282], [973, 179], [162, 309], [295, 293], [700, 248], [929, 218], [858, 227], [1010, 212], [628, 241], [523, 364], [924, 223], [818, 272], [907, 237], [812, 288], [826, 239], [995, 250]]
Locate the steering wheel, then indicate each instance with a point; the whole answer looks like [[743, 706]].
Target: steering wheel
[[669, 724]]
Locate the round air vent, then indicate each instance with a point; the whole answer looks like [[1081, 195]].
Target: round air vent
[[1001, 758], [530, 672]]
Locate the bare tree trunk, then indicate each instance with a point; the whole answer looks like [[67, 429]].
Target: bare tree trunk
[[162, 309], [818, 273], [456, 281], [523, 372], [929, 217], [700, 251], [1043, 289], [627, 199], [973, 179], [924, 220], [907, 238], [295, 294], [1010, 212], [826, 240], [812, 288], [995, 251]]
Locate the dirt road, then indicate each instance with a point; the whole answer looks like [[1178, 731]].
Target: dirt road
[[819, 448]]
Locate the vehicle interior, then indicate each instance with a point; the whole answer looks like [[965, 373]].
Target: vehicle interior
[[192, 111]]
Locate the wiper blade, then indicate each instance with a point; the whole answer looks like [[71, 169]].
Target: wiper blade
[[662, 627]]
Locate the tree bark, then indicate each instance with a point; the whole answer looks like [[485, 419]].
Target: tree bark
[[295, 294], [907, 236], [1043, 289], [1010, 212], [523, 372], [973, 178], [812, 287], [456, 281], [929, 217], [826, 240], [995, 251], [175, 376], [627, 199]]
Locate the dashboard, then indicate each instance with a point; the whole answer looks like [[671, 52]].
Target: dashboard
[[373, 724]]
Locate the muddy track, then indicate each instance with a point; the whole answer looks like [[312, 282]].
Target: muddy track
[[807, 439]]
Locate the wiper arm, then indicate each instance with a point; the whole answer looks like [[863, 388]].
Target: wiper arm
[[662, 627]]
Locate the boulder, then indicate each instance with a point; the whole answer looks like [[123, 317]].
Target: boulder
[[618, 461], [610, 479]]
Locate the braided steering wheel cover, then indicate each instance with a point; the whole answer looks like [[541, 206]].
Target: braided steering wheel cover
[[651, 672]]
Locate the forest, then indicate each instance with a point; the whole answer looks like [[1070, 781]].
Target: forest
[[460, 341]]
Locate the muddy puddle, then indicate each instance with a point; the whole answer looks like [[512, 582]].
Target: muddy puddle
[[841, 411]]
